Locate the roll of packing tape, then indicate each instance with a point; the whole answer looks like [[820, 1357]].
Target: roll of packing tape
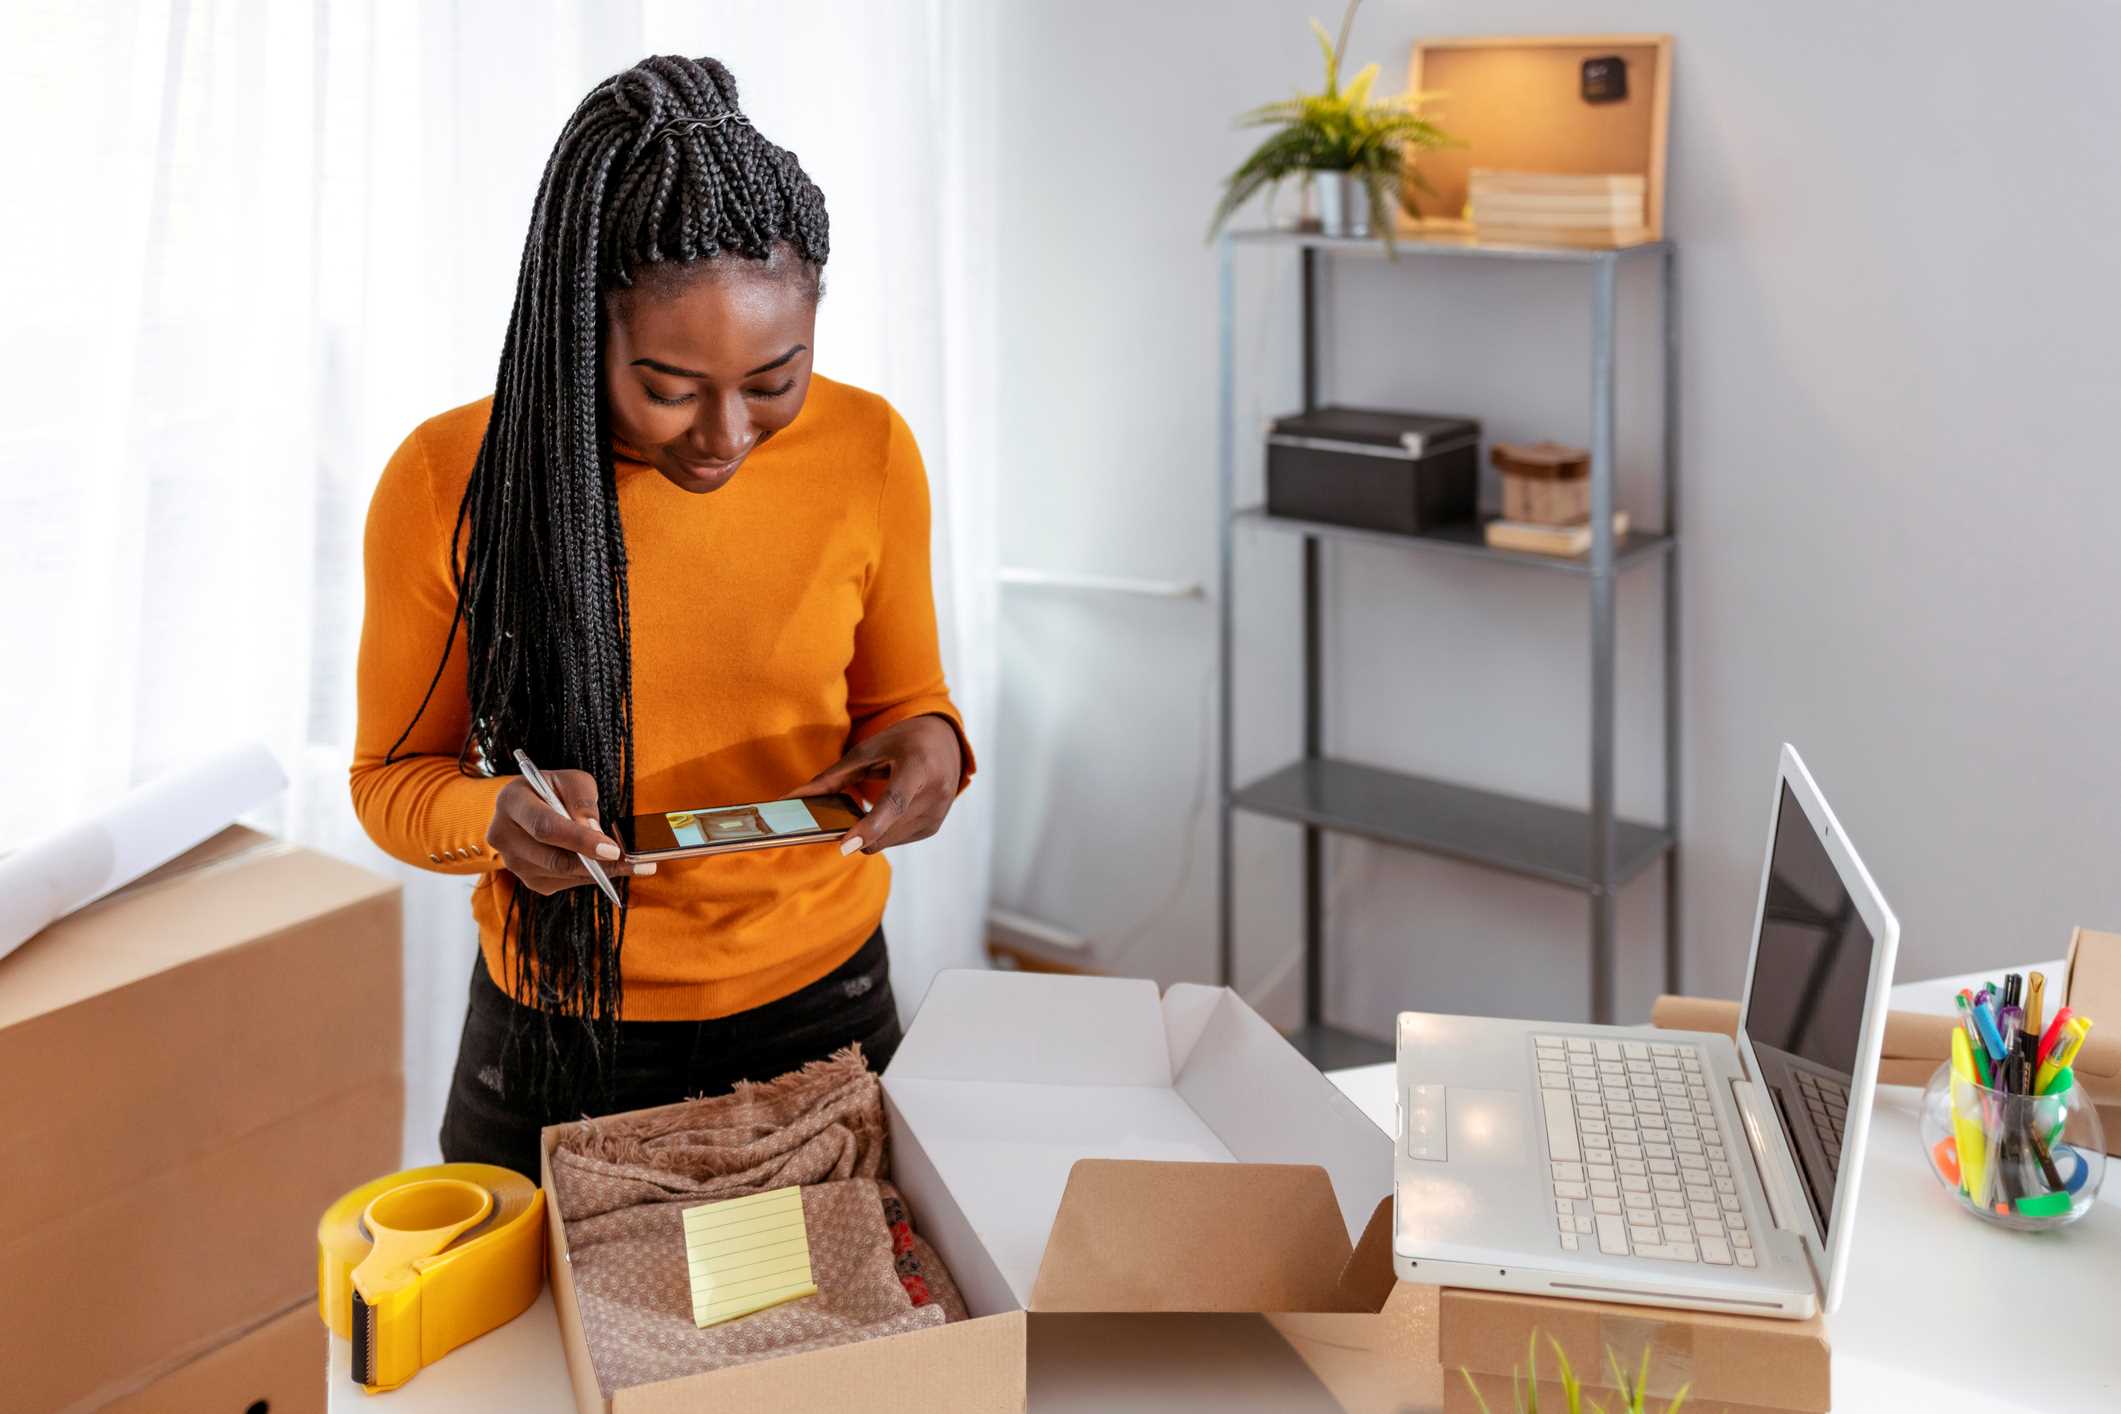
[[413, 1265]]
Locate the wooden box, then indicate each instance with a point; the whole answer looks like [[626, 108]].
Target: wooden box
[[1515, 103]]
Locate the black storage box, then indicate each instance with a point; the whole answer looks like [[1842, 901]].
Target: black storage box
[[1404, 471]]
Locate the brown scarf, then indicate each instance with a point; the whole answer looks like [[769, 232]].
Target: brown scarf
[[621, 1185]]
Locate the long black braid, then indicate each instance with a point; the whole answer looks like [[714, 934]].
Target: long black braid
[[656, 170]]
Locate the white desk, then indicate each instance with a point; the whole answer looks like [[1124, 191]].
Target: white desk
[[1903, 1338]]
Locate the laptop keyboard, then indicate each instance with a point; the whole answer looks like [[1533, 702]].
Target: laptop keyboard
[[1828, 1100], [1639, 1165]]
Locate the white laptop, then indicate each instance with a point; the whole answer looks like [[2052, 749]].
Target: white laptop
[[1669, 1168]]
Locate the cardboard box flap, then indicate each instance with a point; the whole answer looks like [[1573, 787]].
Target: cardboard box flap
[[1367, 1281], [1187, 1007], [1037, 1029], [2091, 986], [1271, 1106], [238, 887], [1143, 1236]]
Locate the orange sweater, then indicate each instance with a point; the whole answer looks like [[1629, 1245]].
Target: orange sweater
[[775, 622]]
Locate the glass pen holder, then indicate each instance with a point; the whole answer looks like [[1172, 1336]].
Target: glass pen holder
[[2037, 1159]]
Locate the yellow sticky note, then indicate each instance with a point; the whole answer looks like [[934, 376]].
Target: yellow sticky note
[[746, 1254]]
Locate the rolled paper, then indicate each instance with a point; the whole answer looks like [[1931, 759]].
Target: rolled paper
[[148, 826]]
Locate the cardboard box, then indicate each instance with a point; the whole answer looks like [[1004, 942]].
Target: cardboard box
[[196, 1066], [1916, 1043], [1738, 1362], [1178, 1363], [1499, 1394], [1080, 1145], [2092, 987], [279, 1367]]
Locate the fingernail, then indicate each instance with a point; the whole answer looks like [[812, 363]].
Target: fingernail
[[641, 869], [607, 851], [850, 844]]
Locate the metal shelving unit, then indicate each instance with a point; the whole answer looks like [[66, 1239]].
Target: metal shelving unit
[[1590, 850]]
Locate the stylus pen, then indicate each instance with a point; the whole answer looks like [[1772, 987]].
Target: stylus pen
[[551, 797]]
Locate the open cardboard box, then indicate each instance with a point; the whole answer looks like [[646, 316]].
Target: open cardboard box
[[1081, 1145]]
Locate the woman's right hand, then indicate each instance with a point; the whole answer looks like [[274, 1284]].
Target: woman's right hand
[[538, 844]]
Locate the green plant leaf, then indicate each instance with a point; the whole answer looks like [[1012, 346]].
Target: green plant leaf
[[1383, 191], [1281, 155], [1679, 1398], [1473, 1389], [1358, 90], [1571, 1387], [1630, 1395], [1338, 131]]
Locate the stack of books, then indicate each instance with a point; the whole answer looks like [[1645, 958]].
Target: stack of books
[[1561, 541], [1550, 208]]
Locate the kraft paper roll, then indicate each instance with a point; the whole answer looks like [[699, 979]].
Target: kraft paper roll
[[151, 824]]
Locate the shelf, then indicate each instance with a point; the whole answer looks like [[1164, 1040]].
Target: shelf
[[1330, 1048], [1635, 547], [1445, 244], [1503, 832]]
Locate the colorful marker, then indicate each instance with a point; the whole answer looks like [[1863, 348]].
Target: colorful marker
[[1965, 999], [2055, 1028], [2059, 1059], [1966, 1121], [1991, 1037]]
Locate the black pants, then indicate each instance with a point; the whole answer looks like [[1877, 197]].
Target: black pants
[[494, 1115]]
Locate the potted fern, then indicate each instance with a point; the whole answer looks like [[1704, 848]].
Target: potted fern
[[1353, 149]]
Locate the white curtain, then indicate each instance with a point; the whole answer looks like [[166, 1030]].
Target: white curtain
[[254, 242]]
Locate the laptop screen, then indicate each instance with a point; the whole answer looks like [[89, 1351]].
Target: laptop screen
[[1804, 1010]]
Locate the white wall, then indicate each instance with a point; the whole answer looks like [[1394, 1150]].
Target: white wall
[[1900, 487]]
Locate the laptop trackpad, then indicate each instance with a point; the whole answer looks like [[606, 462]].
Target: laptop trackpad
[[1487, 1126]]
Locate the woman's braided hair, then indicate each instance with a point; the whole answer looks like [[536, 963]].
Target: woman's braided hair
[[656, 171]]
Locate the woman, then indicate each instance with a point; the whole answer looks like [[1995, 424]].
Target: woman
[[678, 570]]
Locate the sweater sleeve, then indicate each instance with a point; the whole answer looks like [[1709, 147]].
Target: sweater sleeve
[[418, 805], [897, 670]]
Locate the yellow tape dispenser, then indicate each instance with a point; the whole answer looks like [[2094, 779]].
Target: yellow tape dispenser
[[412, 1266]]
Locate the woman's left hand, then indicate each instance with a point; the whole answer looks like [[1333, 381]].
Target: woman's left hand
[[921, 763]]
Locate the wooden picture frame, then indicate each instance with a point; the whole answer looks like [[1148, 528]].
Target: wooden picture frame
[[1515, 101]]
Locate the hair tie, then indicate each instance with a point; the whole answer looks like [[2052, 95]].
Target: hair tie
[[732, 116]]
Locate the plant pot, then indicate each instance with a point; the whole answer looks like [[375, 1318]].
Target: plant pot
[[1343, 204]]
